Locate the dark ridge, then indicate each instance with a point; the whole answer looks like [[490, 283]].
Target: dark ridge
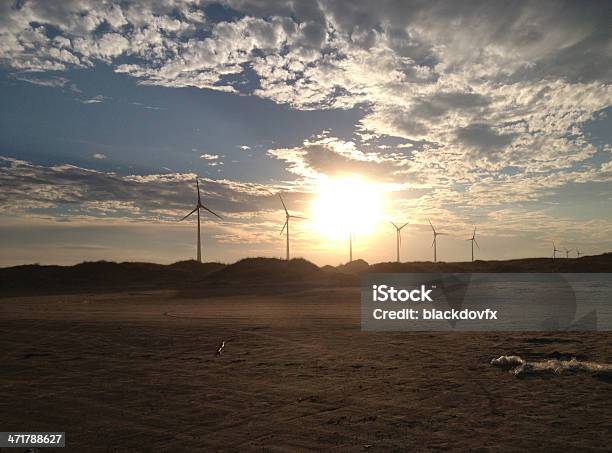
[[265, 274], [357, 266], [269, 276], [193, 267], [587, 264], [274, 269], [328, 268], [100, 276]]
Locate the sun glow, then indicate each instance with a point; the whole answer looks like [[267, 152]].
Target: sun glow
[[347, 205]]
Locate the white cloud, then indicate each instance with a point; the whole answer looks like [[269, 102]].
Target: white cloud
[[52, 82], [99, 156], [94, 100]]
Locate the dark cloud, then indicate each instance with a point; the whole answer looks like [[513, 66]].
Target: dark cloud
[[483, 137], [26, 186], [439, 104], [325, 160], [586, 61]]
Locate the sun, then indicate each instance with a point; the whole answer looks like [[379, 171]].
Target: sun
[[346, 205]]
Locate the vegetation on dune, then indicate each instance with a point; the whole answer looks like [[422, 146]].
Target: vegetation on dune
[[250, 272]]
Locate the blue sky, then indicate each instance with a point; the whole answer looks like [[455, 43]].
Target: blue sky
[[487, 114], [147, 129]]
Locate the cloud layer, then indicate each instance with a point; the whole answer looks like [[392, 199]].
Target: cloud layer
[[480, 76], [484, 103]]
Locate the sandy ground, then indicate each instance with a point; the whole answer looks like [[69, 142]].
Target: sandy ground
[[137, 372]]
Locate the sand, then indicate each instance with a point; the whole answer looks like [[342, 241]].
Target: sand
[[137, 372]]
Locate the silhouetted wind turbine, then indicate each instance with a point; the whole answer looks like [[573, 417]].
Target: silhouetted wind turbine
[[288, 216], [473, 239], [197, 209], [578, 253], [434, 244], [555, 250], [398, 237], [567, 252]]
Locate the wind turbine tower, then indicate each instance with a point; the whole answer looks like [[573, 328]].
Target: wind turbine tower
[[555, 250], [473, 239], [199, 206], [434, 244], [286, 225], [567, 252], [398, 237]]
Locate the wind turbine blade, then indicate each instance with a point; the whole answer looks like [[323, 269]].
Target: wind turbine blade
[[476, 243], [404, 225], [286, 222], [198, 186], [394, 225], [433, 242], [432, 227], [298, 217], [284, 207], [442, 234], [196, 208], [212, 212]]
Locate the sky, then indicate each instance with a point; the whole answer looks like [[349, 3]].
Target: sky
[[475, 114]]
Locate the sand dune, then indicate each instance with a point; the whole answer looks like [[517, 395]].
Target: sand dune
[[251, 273]]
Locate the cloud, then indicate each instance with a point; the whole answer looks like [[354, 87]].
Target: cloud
[[144, 106], [68, 191], [52, 82], [94, 100], [209, 157], [477, 174], [99, 156], [482, 137]]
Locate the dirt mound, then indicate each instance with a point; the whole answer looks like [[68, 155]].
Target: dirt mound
[[354, 267], [193, 267], [100, 275], [267, 270], [268, 276]]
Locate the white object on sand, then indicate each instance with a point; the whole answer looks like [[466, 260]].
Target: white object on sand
[[220, 348], [519, 367]]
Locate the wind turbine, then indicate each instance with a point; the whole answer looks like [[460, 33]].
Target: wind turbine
[[434, 244], [398, 234], [197, 209], [567, 252], [578, 253], [555, 250], [473, 239], [287, 217]]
